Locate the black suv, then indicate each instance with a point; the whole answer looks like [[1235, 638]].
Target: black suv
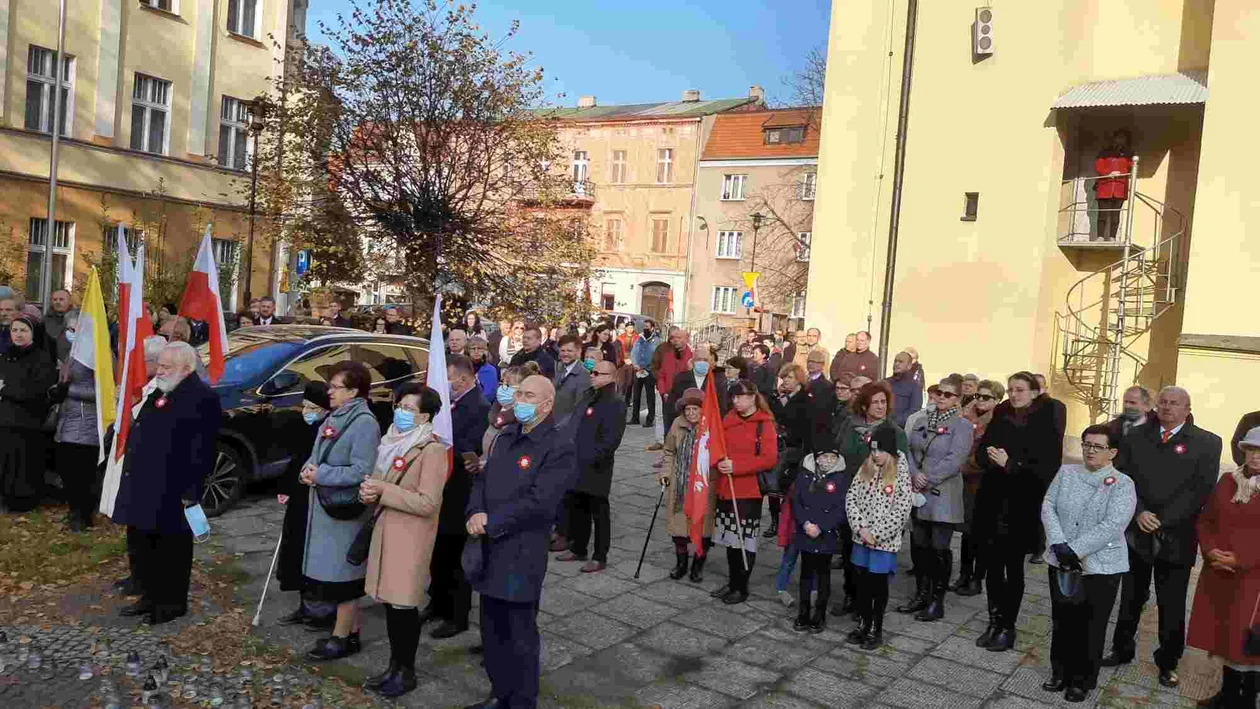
[[261, 392]]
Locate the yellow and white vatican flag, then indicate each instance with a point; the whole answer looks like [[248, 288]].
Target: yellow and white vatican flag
[[91, 349]]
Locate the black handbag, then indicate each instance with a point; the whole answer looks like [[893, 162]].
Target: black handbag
[[1251, 638], [341, 502], [767, 480], [1071, 587]]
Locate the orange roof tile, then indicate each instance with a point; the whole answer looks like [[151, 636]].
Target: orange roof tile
[[741, 135]]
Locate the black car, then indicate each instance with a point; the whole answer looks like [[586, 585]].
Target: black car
[[266, 370]]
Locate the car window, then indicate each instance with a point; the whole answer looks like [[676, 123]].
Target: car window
[[387, 363], [249, 361], [419, 359], [314, 366]]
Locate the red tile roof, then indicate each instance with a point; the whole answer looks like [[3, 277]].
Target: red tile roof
[[741, 135]]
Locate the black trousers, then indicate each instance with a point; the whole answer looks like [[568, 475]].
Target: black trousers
[[872, 598], [816, 575], [1109, 215], [850, 584], [1171, 584], [513, 650], [164, 563], [1005, 582], [76, 464], [565, 518], [449, 593], [1079, 630], [971, 561], [403, 627], [586, 509], [644, 385]]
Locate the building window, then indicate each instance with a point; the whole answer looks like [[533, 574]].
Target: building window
[[665, 166], [242, 15], [40, 80], [971, 206], [607, 301], [798, 305], [225, 251], [167, 5], [131, 234], [660, 235], [730, 244], [791, 134], [233, 133], [733, 187], [581, 167], [614, 236], [150, 114], [618, 167], [803, 240], [62, 254], [807, 187], [725, 298]]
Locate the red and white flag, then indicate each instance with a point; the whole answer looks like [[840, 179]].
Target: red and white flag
[[443, 429], [123, 271], [134, 377], [710, 446], [201, 301]]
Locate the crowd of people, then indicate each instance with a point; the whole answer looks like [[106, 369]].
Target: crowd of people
[[850, 466]]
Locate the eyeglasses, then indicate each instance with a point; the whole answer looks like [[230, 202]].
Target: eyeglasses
[[946, 395], [338, 386], [985, 397], [1093, 447]]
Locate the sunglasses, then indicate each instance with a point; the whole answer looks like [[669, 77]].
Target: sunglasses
[[985, 397], [946, 395]]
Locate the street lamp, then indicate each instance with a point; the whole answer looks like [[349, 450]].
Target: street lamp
[[258, 114], [757, 219]]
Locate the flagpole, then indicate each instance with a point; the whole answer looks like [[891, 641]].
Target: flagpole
[[739, 526], [50, 233]]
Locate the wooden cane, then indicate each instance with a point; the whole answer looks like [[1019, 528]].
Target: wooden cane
[[739, 526]]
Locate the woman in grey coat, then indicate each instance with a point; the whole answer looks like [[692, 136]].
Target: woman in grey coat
[[78, 442], [1085, 512], [344, 454], [939, 440]]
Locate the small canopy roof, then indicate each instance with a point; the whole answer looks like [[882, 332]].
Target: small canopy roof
[[1186, 87]]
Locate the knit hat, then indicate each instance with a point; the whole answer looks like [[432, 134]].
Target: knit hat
[[824, 450], [884, 438], [690, 397], [317, 393]]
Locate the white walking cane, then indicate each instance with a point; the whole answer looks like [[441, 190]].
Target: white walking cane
[[267, 583], [739, 526]]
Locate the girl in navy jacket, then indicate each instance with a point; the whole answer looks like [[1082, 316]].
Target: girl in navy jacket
[[818, 505]]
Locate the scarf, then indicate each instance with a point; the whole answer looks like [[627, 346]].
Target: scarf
[[937, 418], [1247, 486], [395, 444], [682, 465]]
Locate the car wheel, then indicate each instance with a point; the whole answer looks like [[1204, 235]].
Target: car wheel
[[226, 482]]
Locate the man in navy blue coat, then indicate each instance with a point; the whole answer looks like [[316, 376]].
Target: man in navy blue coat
[[512, 507], [450, 594], [170, 451]]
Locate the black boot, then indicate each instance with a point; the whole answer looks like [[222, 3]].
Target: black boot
[[1004, 639], [875, 637], [680, 566], [374, 682], [973, 588], [818, 618], [992, 630], [403, 680], [1250, 689], [964, 579], [1231, 692], [922, 588], [935, 609], [857, 636], [802, 622], [697, 569]]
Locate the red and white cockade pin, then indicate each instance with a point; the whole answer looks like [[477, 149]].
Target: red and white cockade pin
[[523, 462], [498, 421], [1180, 448], [1109, 480], [831, 487], [888, 489], [161, 402], [590, 411], [940, 430], [328, 432], [400, 463], [866, 438]]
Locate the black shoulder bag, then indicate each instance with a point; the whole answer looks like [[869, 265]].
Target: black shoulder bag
[[341, 502], [767, 480], [362, 544]]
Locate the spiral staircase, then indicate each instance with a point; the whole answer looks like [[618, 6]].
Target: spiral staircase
[[1111, 309]]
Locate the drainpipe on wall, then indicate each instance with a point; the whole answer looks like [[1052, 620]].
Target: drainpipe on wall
[[899, 173], [691, 224]]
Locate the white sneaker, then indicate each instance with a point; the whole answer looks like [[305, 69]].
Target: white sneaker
[[787, 599]]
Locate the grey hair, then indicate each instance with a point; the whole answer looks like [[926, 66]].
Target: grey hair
[[1144, 394], [72, 318], [1170, 389], [183, 353], [153, 346], [477, 340]]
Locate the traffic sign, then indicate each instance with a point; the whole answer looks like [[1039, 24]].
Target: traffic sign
[[746, 299], [303, 262]]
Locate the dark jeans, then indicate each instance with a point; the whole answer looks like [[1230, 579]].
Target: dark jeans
[[164, 562], [449, 593], [1109, 216], [1079, 630], [1171, 583], [76, 464], [587, 508], [971, 561], [1006, 581], [509, 634], [815, 575], [644, 385]]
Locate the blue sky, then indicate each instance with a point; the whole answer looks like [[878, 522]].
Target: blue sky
[[638, 51]]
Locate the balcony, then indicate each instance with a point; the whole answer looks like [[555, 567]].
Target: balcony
[[561, 193]]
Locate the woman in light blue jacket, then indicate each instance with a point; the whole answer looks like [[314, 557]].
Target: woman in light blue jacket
[[1085, 512]]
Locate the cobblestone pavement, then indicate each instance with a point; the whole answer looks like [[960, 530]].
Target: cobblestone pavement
[[610, 640]]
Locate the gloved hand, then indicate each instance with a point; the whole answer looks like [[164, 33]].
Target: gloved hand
[[1067, 558]]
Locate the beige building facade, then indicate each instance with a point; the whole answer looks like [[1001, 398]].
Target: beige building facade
[[1000, 264], [155, 123]]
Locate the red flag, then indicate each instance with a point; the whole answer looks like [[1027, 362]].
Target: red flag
[[201, 301], [134, 375], [125, 266], [710, 447]]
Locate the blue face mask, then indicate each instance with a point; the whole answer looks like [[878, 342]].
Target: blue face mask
[[69, 335], [310, 417], [524, 412], [404, 420], [589, 364], [505, 394], [702, 368]]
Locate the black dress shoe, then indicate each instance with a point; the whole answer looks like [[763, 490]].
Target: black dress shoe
[[1169, 678], [165, 614], [447, 630], [733, 597], [477, 649], [1115, 659], [375, 681], [1075, 694], [127, 587], [399, 683], [720, 591], [330, 648], [297, 616], [136, 609], [1054, 684]]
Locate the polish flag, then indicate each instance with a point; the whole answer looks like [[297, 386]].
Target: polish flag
[[124, 269], [443, 429], [710, 446], [135, 376], [201, 301]]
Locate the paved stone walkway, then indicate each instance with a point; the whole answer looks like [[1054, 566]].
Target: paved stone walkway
[[610, 640]]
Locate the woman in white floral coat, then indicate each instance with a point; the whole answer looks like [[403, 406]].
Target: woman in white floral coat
[[878, 508]]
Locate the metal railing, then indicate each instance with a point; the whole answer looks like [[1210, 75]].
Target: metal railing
[[1082, 220]]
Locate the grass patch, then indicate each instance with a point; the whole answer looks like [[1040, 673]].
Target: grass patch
[[448, 655], [37, 550]]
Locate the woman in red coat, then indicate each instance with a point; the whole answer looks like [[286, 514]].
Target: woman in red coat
[[1228, 593], [1113, 165], [751, 447]]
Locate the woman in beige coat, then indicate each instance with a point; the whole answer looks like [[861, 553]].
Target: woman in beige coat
[[679, 444], [411, 467]]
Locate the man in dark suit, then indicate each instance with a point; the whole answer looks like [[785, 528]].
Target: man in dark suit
[[267, 313], [450, 594], [1174, 465], [170, 451], [600, 424], [333, 317], [533, 351], [394, 324], [764, 375], [510, 512], [822, 394]]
